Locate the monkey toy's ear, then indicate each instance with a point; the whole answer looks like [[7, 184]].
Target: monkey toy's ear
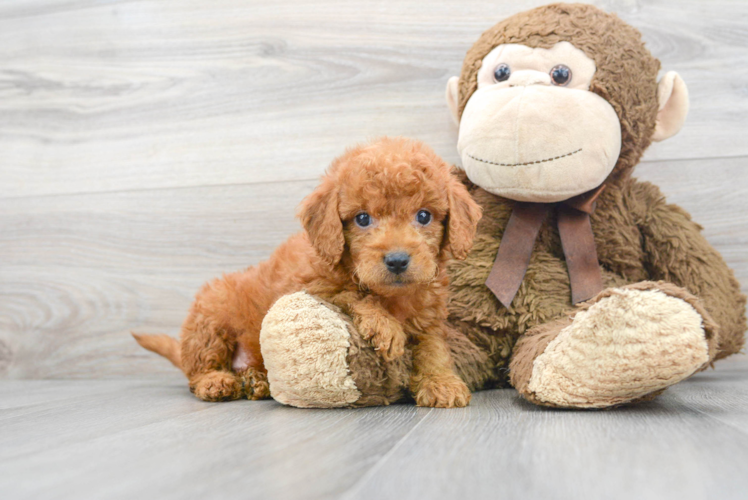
[[453, 97], [672, 97]]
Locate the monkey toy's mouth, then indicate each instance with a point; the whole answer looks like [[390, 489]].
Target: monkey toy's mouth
[[546, 160]]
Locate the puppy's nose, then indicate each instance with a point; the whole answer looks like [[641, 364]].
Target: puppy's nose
[[397, 262]]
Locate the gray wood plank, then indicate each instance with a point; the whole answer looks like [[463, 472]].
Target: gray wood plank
[[111, 96], [81, 271], [721, 393], [34, 394], [80, 417], [512, 449], [149, 439], [162, 443]]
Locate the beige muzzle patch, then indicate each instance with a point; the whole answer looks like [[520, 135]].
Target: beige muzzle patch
[[538, 143]]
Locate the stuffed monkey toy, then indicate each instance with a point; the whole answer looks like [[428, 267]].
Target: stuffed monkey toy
[[584, 288]]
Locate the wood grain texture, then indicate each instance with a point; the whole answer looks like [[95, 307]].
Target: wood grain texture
[[151, 439], [83, 271], [513, 449], [80, 272], [146, 147], [112, 96], [154, 440]]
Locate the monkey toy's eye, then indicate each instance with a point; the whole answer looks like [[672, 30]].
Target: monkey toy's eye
[[560, 75], [423, 217], [363, 219], [501, 73]]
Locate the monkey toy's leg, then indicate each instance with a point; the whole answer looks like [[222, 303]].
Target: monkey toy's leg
[[626, 344], [633, 342]]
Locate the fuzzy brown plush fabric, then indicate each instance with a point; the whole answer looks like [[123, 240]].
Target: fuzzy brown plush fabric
[[670, 305], [638, 235], [651, 240]]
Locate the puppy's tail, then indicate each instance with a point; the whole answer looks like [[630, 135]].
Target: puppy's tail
[[164, 345]]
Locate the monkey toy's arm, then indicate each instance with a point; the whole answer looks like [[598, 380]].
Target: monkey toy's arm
[[677, 252]]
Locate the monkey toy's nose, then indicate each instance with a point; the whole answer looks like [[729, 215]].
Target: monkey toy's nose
[[397, 262], [525, 78]]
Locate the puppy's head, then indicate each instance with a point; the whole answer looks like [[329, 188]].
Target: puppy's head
[[391, 213]]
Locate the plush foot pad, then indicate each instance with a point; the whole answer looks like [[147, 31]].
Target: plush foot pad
[[629, 344], [305, 344], [216, 386]]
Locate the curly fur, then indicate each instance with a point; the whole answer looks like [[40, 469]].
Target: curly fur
[[342, 263]]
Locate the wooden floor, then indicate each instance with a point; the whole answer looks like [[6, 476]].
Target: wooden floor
[[148, 146], [151, 439]]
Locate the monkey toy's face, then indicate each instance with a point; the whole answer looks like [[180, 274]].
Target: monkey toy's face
[[532, 130]]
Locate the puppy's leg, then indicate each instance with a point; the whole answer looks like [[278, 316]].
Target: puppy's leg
[[433, 381], [228, 312], [251, 370], [206, 359], [379, 327]]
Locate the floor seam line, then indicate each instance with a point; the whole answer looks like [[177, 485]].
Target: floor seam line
[[352, 490], [712, 417]]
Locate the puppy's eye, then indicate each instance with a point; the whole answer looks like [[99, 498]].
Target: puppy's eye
[[502, 73], [363, 219], [423, 217]]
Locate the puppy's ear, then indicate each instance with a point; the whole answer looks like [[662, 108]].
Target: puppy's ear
[[321, 220], [462, 220]]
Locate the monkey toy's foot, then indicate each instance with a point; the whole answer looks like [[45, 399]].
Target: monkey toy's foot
[[624, 345], [316, 358]]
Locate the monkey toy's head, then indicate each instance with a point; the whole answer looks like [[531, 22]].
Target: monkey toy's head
[[554, 101]]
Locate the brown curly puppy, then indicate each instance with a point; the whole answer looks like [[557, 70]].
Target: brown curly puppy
[[379, 231]]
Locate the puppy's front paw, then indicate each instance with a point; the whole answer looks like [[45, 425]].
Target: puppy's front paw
[[386, 336], [442, 391], [390, 344]]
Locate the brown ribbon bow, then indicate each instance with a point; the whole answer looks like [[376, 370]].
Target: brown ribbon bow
[[577, 241]]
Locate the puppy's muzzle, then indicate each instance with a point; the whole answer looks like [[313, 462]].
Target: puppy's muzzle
[[397, 262]]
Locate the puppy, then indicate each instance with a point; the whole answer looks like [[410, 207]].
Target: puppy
[[379, 231]]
